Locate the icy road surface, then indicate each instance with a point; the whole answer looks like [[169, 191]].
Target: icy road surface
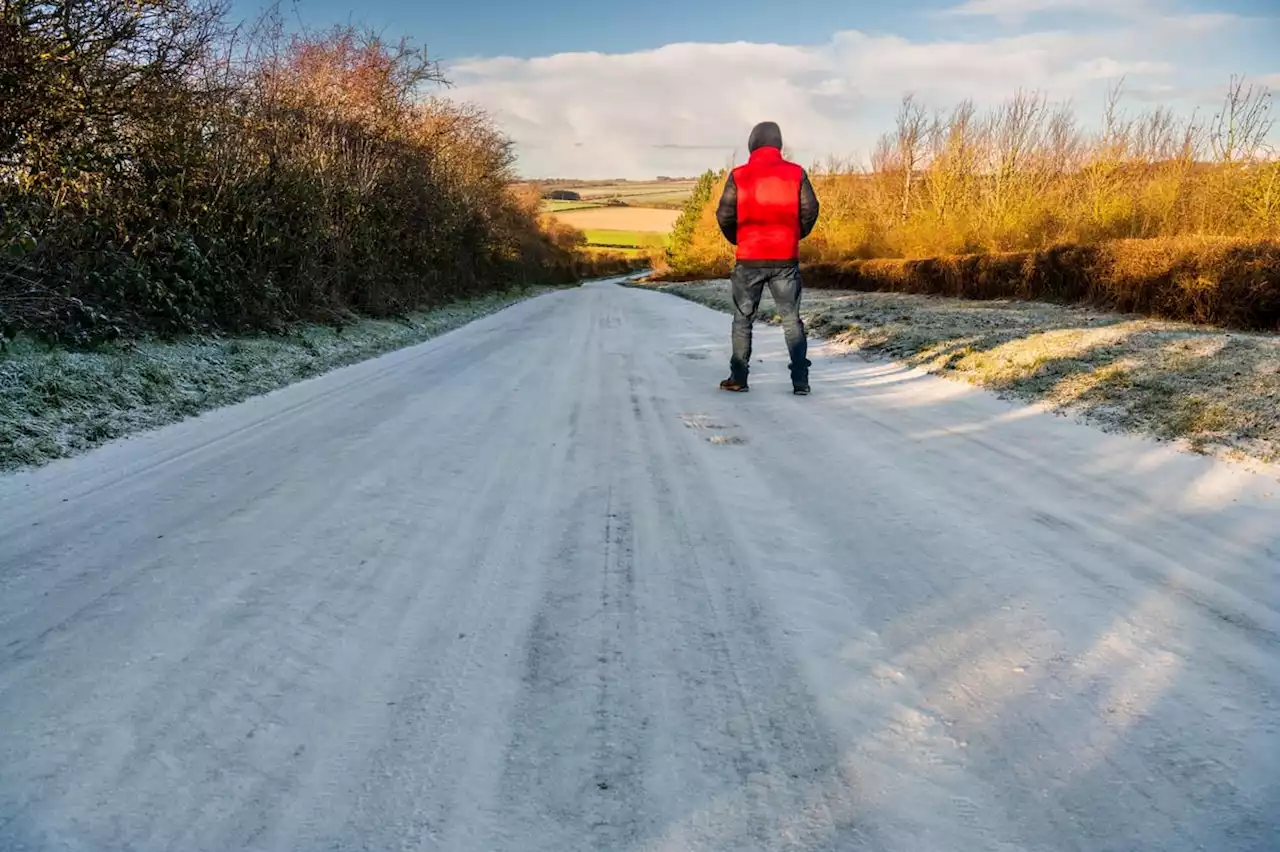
[[539, 585]]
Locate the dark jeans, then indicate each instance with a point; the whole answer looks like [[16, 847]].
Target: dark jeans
[[748, 284]]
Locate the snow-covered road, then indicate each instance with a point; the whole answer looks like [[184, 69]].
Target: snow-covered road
[[538, 585]]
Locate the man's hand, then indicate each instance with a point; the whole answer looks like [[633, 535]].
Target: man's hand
[[808, 207], [727, 211]]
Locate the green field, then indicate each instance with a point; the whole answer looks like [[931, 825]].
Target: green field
[[625, 239], [632, 251], [673, 200], [556, 206]]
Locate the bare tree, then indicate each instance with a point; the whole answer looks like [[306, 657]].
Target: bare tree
[[1240, 130], [912, 139], [1117, 128], [81, 80], [954, 157]]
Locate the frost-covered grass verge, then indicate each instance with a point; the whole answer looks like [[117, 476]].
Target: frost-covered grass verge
[[1216, 390], [55, 403]]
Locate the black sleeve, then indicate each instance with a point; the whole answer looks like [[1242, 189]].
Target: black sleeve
[[808, 207], [727, 211]]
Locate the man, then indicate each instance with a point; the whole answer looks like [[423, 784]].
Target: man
[[767, 208]]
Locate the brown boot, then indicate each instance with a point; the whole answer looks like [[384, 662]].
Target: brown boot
[[732, 384]]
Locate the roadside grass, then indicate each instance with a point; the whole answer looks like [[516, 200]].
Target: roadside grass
[[1219, 391], [56, 403]]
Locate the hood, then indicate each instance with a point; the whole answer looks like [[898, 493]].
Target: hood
[[766, 134]]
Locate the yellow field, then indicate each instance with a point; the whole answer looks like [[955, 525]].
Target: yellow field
[[620, 219]]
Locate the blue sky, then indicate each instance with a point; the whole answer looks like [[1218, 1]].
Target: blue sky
[[526, 29], [590, 88]]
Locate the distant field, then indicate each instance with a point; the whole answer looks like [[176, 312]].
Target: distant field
[[636, 192], [625, 251], [556, 206], [620, 219], [642, 220], [624, 239], [670, 194], [665, 199]]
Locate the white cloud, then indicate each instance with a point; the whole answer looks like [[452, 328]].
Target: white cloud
[[1012, 11], [682, 108]]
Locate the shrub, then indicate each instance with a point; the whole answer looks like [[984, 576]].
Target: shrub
[[1227, 282], [159, 175], [695, 235], [1024, 176]]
